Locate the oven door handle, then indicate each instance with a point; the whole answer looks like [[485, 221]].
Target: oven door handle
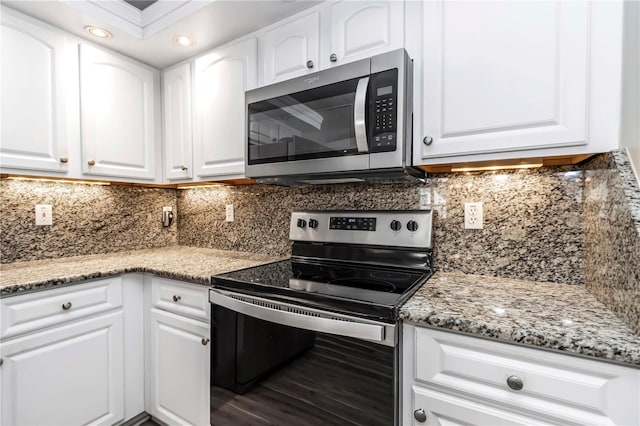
[[359, 113], [359, 330]]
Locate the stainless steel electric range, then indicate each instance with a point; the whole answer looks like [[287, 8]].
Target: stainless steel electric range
[[349, 273]]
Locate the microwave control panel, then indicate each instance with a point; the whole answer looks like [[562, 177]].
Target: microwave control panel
[[383, 111]]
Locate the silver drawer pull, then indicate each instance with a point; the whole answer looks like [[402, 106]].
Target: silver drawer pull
[[515, 383], [420, 415], [66, 306], [176, 297]]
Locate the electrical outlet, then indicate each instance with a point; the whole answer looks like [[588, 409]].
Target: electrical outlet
[[229, 213], [44, 215], [473, 216]]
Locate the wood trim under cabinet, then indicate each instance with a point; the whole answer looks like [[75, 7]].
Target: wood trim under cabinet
[[562, 160]]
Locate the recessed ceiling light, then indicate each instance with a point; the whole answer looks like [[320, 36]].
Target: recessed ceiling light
[[184, 41], [98, 32]]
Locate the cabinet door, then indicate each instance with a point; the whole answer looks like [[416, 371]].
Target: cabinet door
[[68, 375], [503, 76], [221, 78], [359, 29], [178, 142], [443, 409], [291, 49], [118, 115], [36, 91], [179, 361]]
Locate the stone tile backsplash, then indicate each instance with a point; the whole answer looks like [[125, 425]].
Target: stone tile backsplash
[[612, 236], [87, 219], [532, 218]]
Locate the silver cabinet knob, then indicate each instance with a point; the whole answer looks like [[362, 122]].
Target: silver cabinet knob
[[309, 64], [66, 306], [515, 382], [333, 57], [176, 297], [205, 341], [184, 168], [64, 160], [91, 162], [420, 415], [428, 140]]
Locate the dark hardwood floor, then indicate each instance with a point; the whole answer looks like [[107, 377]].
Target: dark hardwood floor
[[339, 382]]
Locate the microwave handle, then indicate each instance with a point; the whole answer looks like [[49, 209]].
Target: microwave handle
[[359, 112]]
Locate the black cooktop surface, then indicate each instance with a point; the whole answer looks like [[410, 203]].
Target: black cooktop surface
[[368, 291]]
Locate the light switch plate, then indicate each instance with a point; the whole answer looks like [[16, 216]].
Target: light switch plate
[[229, 213], [44, 215]]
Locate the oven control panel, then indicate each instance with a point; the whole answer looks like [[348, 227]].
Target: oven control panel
[[404, 228]]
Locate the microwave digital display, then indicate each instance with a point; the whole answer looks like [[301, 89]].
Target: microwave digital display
[[386, 90]]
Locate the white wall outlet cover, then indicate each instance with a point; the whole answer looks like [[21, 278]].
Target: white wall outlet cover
[[44, 215], [473, 216], [229, 213], [167, 209]]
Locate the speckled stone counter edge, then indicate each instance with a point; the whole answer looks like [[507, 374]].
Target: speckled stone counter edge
[[14, 290]]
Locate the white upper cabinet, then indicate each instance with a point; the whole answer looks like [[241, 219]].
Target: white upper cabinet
[[360, 29], [512, 79], [37, 89], [178, 141], [504, 75], [221, 78], [120, 116], [290, 48]]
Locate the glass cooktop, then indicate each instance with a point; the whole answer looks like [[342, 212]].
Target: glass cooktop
[[352, 289]]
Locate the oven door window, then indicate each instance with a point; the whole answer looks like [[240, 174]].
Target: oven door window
[[315, 123]]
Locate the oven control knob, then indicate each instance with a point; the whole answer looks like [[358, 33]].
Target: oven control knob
[[412, 226], [395, 225], [313, 224], [302, 223]]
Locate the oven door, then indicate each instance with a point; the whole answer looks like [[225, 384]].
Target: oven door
[[275, 363]]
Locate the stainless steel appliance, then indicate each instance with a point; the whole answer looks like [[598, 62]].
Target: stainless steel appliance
[[349, 123], [349, 273]]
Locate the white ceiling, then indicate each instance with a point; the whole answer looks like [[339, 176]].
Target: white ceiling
[[211, 25]]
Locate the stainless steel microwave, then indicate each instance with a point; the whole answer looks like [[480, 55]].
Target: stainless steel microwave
[[348, 123]]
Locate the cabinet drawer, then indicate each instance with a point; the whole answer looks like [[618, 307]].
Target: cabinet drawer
[[181, 298], [29, 312], [573, 389], [441, 409]]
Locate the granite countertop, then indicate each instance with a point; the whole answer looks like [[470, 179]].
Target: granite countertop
[[548, 315], [192, 264], [554, 316]]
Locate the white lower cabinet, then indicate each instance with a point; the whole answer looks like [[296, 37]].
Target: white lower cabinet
[[69, 375], [79, 360], [178, 356], [450, 378], [105, 351]]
